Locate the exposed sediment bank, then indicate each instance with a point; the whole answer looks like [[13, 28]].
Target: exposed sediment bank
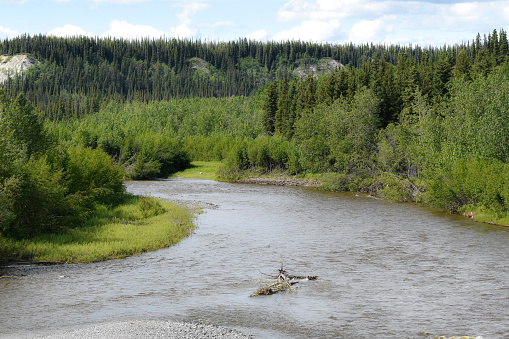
[[279, 181], [150, 329]]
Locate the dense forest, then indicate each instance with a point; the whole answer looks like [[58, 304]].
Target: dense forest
[[76, 75], [401, 122]]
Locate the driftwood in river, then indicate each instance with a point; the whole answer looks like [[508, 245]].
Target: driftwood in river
[[283, 282]]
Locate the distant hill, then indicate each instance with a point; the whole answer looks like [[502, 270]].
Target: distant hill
[[74, 76]]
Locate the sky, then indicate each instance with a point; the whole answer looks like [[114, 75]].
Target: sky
[[404, 22]]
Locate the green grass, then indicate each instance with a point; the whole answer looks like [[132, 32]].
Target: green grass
[[484, 215], [200, 170], [142, 224]]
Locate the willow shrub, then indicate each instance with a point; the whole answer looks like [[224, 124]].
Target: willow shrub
[[470, 170], [151, 156], [208, 148], [33, 201], [472, 184], [482, 183], [44, 195], [262, 155], [91, 171]]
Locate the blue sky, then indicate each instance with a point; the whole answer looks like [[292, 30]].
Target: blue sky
[[422, 22]]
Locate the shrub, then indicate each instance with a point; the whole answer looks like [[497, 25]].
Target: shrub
[[32, 200], [155, 156], [92, 172], [150, 207]]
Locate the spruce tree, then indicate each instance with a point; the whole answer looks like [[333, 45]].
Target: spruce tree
[[494, 48], [426, 75], [283, 108], [270, 108], [442, 74], [504, 47], [462, 67]]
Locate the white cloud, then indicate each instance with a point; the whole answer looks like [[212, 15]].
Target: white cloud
[[69, 31], [369, 31], [258, 35], [310, 30], [392, 21], [189, 8], [8, 33], [16, 2], [183, 31], [126, 30], [296, 10]]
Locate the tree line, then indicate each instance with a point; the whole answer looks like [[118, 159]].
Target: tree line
[[394, 84], [77, 74]]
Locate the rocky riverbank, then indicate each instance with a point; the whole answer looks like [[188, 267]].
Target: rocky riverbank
[[150, 329], [279, 181]]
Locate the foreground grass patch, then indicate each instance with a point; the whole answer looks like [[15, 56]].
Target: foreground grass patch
[[140, 225], [200, 170]]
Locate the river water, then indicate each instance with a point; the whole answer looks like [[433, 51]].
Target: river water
[[385, 270]]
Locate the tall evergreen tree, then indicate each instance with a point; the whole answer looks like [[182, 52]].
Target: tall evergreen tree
[[426, 75], [270, 108], [462, 67], [504, 47], [494, 47], [442, 74], [283, 108]]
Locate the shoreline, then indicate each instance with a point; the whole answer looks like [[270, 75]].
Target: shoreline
[[280, 181], [146, 224], [315, 183], [149, 329]]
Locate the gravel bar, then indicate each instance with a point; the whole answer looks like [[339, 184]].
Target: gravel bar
[[150, 329]]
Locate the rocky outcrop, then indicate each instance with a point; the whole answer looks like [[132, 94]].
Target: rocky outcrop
[[325, 65], [10, 65], [200, 64]]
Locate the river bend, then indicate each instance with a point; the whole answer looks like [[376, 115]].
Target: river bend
[[385, 270]]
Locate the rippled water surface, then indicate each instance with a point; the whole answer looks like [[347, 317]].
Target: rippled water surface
[[386, 270]]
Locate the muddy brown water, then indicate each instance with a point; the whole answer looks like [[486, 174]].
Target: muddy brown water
[[385, 270]]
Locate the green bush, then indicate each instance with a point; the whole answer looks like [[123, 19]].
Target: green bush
[[150, 207], [92, 172], [33, 201], [335, 182], [154, 156], [395, 188]]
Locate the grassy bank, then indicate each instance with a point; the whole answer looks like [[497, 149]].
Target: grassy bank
[[140, 225], [200, 170]]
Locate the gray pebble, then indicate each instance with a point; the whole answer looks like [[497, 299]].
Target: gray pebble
[[150, 329]]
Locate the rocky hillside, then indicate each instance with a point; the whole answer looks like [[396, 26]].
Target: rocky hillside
[[12, 65]]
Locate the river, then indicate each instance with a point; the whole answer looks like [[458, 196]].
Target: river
[[385, 270]]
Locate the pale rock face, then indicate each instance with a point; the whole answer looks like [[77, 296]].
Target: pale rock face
[[325, 65], [12, 65]]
